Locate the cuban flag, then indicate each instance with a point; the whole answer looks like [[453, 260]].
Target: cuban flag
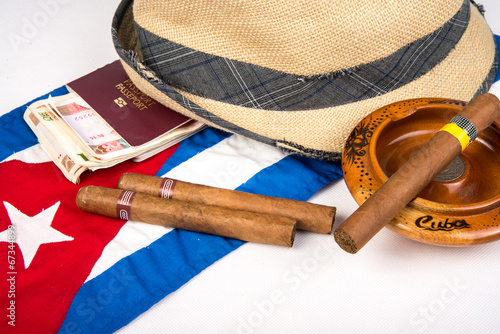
[[69, 271]]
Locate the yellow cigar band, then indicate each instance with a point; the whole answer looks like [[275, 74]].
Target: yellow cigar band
[[457, 132], [462, 129]]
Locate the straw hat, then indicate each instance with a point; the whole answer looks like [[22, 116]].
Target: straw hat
[[301, 74]]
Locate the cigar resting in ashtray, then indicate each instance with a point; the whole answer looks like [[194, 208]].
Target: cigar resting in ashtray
[[417, 173], [243, 225], [309, 216]]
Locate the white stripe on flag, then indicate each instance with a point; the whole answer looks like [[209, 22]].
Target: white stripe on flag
[[132, 237], [32, 155], [227, 164], [495, 89]]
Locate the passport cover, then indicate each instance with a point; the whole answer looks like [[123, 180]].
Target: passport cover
[[135, 116]]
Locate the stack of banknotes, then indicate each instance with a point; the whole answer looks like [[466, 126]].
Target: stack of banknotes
[[78, 139]]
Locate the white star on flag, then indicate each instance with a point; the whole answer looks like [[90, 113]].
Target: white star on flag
[[31, 232]]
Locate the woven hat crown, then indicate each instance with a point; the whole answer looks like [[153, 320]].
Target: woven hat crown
[[295, 36]]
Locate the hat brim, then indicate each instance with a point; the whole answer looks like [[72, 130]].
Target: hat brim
[[468, 70]]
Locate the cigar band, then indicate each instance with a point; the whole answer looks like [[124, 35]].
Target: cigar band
[[462, 129], [166, 188], [123, 204]]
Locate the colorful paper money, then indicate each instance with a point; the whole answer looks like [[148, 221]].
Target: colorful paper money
[[77, 138]]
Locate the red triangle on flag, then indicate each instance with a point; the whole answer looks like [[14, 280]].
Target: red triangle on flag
[[43, 281]]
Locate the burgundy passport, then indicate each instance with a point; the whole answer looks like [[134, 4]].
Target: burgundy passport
[[135, 116]]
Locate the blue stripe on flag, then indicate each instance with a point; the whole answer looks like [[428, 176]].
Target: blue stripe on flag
[[302, 176], [15, 133], [137, 282], [497, 39], [171, 261], [192, 146]]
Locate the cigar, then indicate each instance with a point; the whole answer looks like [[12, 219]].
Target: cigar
[[309, 216], [422, 167], [243, 225]]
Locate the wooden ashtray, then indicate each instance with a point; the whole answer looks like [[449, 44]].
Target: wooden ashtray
[[461, 206]]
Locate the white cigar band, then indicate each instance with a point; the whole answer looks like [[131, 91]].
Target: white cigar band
[[123, 204]]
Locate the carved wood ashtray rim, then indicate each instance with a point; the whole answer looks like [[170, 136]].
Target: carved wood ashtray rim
[[459, 209]]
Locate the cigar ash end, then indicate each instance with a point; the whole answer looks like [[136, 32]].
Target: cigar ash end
[[344, 240]]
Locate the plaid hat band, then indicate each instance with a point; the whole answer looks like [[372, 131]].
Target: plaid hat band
[[253, 86]]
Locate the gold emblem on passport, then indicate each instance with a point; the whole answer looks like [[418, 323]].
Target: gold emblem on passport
[[120, 102]]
